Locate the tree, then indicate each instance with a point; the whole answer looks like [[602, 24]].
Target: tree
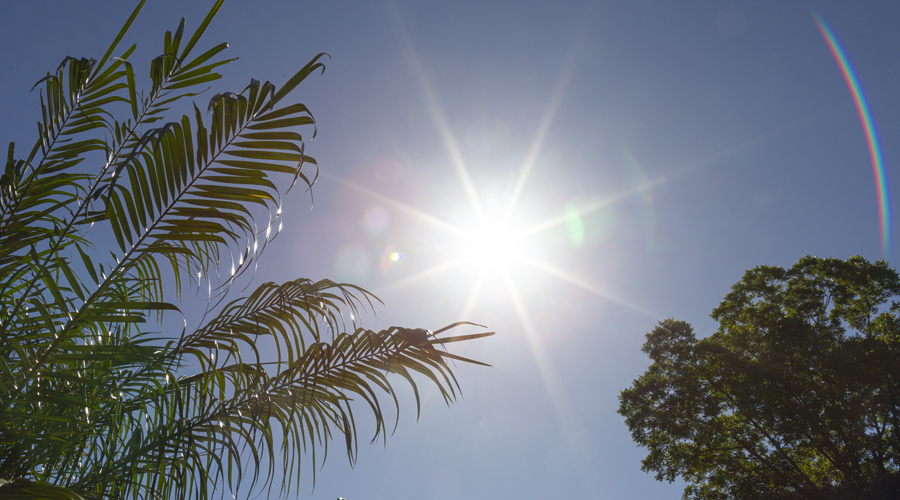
[[796, 395], [99, 396]]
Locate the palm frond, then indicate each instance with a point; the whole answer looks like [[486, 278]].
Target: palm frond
[[97, 398]]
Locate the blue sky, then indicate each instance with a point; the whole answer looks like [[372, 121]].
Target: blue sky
[[655, 151]]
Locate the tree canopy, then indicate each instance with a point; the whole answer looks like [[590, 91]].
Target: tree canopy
[[795, 396], [115, 212]]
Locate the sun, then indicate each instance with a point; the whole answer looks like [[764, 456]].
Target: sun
[[504, 256], [492, 247]]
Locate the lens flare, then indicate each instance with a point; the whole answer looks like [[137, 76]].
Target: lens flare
[[865, 116], [574, 225]]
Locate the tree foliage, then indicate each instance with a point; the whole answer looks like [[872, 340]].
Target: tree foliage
[[99, 396], [796, 395]]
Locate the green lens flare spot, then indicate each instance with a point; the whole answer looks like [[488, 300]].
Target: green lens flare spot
[[574, 226]]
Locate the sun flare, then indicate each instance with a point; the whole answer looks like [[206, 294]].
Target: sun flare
[[493, 247]]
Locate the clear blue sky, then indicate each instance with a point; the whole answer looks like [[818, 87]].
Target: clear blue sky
[[659, 149]]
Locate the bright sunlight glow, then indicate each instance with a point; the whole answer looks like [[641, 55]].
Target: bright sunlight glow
[[492, 247]]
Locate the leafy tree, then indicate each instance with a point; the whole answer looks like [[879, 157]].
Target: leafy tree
[[796, 395], [99, 396]]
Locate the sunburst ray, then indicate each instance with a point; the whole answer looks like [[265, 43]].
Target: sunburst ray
[[418, 214]]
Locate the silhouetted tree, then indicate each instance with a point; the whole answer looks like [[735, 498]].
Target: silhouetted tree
[[795, 396]]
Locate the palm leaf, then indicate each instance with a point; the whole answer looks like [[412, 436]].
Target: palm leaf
[[95, 402]]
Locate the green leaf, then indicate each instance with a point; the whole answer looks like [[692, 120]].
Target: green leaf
[[295, 121], [119, 37], [88, 264], [209, 54], [200, 30], [194, 81], [298, 77]]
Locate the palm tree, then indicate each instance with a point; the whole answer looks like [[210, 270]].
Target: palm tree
[[98, 397]]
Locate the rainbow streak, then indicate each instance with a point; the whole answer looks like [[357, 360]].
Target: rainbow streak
[[862, 107]]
